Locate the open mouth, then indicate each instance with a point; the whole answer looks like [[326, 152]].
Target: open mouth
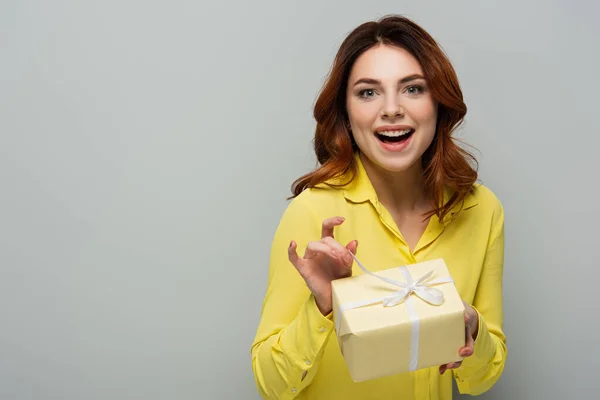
[[394, 136]]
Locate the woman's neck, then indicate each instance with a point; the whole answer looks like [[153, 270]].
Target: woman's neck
[[400, 192]]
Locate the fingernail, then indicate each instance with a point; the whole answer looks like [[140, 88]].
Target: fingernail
[[291, 243]]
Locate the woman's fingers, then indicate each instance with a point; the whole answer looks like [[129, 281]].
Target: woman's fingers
[[295, 259], [469, 347], [328, 240], [452, 365], [329, 224], [352, 246], [313, 249], [339, 252], [327, 247], [466, 350]]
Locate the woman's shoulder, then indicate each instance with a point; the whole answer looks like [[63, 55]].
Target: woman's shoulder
[[483, 195], [485, 202], [322, 198]]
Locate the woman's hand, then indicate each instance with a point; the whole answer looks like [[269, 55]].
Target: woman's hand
[[471, 330], [323, 262]]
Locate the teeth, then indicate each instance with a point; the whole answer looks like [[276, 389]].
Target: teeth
[[394, 133]]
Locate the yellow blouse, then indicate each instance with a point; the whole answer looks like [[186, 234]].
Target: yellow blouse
[[295, 354]]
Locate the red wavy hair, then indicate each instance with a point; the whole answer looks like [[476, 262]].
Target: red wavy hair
[[446, 165]]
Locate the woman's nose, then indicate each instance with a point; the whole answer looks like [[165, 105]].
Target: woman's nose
[[392, 109]]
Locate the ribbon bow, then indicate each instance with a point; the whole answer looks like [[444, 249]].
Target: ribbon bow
[[420, 287]]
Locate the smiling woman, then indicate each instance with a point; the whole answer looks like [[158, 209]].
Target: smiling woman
[[375, 108], [391, 178]]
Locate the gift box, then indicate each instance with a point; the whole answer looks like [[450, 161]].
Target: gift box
[[398, 320]]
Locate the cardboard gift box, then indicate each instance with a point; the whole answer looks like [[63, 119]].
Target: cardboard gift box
[[398, 320]]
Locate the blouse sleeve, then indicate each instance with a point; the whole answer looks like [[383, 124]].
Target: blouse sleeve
[[292, 332], [479, 372]]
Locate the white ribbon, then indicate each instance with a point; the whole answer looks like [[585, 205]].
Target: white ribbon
[[421, 287]]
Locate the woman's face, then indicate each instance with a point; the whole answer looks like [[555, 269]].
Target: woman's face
[[391, 111]]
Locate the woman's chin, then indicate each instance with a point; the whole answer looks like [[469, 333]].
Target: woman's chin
[[394, 163]]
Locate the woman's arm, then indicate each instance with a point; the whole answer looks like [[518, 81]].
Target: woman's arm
[[479, 372], [292, 333]]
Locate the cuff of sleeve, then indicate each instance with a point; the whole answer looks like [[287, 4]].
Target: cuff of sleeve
[[309, 336], [304, 344], [483, 350]]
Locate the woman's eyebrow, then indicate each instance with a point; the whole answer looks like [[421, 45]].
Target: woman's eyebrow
[[406, 79]]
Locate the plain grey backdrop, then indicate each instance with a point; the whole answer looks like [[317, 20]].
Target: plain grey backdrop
[[147, 148]]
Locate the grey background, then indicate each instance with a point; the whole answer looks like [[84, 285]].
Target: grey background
[[146, 150]]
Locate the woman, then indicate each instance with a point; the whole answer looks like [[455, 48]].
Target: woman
[[393, 189]]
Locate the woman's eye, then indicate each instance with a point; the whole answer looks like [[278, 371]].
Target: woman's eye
[[366, 93], [415, 89]]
